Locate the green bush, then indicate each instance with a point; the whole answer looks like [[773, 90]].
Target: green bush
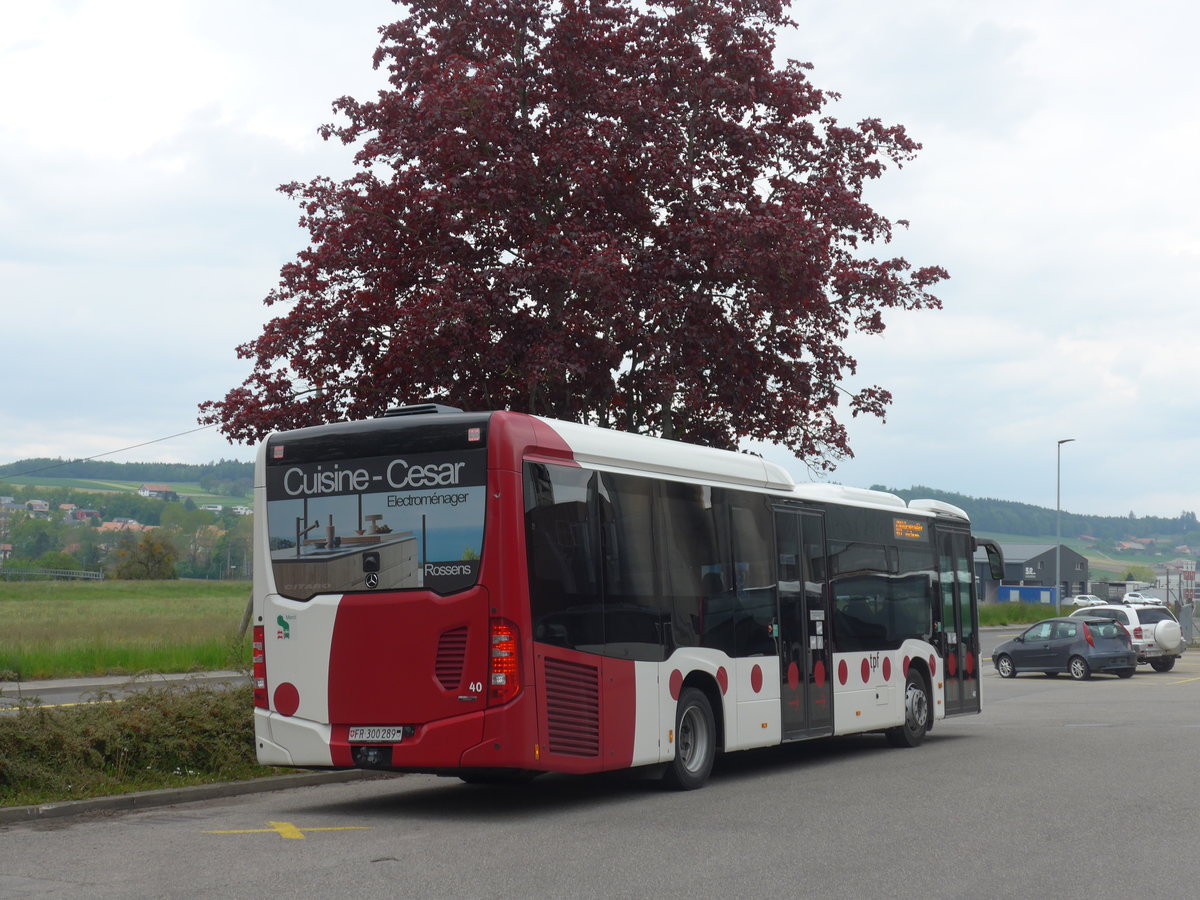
[[157, 738]]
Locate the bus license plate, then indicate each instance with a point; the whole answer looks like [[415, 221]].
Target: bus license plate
[[376, 734]]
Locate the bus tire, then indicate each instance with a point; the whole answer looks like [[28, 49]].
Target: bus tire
[[695, 742], [916, 713]]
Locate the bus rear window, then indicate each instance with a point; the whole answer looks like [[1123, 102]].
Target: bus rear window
[[377, 523]]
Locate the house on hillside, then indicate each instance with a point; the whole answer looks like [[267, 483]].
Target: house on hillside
[[160, 491], [123, 525]]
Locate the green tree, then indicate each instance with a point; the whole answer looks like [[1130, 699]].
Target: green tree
[[145, 557], [86, 538], [57, 559], [33, 537]]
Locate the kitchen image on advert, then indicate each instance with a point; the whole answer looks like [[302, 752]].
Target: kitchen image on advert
[[379, 523]]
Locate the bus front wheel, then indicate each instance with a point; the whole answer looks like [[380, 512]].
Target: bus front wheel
[[695, 742], [916, 713]]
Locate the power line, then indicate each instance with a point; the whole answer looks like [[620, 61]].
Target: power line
[[68, 462]]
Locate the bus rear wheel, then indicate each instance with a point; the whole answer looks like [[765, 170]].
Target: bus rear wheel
[[695, 742], [916, 713]]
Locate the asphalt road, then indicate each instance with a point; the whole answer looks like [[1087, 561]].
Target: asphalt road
[[1059, 789]]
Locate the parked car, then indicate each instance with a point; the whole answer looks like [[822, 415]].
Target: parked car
[[1139, 597], [1157, 637], [1079, 644], [1086, 600]]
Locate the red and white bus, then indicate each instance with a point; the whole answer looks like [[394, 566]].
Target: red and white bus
[[495, 595]]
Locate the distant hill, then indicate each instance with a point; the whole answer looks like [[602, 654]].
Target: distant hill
[[1009, 517], [101, 470]]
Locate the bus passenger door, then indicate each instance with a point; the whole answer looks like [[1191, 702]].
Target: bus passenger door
[[960, 622], [805, 692]]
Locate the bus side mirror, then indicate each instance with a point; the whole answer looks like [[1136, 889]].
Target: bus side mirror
[[994, 555]]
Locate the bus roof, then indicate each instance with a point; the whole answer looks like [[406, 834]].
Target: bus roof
[[613, 450], [852, 496], [638, 453]]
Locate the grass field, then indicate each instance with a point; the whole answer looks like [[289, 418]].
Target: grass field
[[185, 489], [63, 629], [155, 739], [1015, 613], [75, 484]]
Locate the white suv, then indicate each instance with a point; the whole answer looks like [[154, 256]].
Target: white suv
[[1136, 597], [1157, 638]]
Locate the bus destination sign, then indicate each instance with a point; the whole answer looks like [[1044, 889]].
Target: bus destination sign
[[908, 530]]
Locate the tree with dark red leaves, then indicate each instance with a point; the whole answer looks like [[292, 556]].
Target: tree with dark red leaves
[[611, 212]]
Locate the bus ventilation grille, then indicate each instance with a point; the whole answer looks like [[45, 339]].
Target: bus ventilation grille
[[452, 652], [572, 708]]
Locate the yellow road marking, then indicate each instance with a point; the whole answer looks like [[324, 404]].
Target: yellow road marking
[[78, 703], [289, 831]]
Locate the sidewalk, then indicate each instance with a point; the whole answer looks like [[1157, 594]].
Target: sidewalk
[[16, 689]]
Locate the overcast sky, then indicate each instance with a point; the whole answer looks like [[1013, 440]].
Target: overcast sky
[[141, 143]]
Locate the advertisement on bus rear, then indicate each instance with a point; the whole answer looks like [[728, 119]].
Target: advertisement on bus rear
[[378, 523]]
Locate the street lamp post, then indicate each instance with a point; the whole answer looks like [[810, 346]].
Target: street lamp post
[[1058, 528]]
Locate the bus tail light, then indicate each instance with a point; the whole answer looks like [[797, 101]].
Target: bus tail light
[[258, 671], [504, 667]]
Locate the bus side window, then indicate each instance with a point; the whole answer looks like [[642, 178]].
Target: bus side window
[[635, 617], [563, 563], [753, 548], [695, 575]]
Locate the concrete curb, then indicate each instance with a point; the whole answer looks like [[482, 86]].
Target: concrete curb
[[191, 794]]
